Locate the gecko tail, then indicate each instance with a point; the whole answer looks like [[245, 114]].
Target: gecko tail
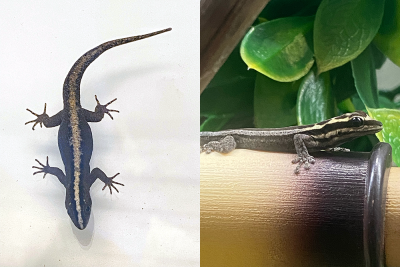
[[74, 76]]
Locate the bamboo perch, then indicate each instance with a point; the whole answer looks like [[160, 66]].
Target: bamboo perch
[[256, 212]]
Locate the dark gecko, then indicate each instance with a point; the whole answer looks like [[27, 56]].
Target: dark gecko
[[75, 140]]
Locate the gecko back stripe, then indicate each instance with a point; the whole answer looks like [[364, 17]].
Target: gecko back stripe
[[76, 149]]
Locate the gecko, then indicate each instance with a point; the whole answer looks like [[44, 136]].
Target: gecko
[[325, 135], [75, 141]]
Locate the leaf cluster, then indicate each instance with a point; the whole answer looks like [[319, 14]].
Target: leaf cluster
[[304, 61]]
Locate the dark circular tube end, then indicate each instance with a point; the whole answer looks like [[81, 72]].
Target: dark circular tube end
[[374, 207]]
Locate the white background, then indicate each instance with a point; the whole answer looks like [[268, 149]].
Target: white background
[[388, 76], [152, 142]]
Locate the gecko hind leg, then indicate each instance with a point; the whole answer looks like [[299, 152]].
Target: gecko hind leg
[[108, 181], [337, 149], [225, 145], [103, 108]]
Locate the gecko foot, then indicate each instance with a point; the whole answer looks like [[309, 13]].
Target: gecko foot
[[306, 160], [110, 183], [103, 108], [43, 169], [338, 149], [40, 118], [225, 145]]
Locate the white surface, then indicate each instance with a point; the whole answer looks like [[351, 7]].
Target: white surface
[[388, 75], [152, 142]]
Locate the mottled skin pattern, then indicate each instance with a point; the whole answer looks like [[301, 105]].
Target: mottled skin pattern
[[325, 135], [75, 140]]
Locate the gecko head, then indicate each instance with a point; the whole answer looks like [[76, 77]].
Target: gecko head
[[355, 124], [360, 121], [79, 211], [344, 128]]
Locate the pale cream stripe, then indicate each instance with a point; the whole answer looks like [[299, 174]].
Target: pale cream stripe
[[76, 142]]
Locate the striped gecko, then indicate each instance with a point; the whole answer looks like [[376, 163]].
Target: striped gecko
[[324, 135], [75, 140]]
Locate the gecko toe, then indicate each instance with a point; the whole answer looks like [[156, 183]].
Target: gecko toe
[[303, 161]]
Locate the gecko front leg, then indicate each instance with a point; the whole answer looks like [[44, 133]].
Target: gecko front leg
[[51, 170], [45, 119], [302, 152]]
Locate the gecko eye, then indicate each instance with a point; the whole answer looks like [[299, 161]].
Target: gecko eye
[[356, 122]]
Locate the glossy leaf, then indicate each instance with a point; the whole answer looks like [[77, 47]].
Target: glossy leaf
[[215, 123], [315, 101], [385, 102], [274, 103], [286, 8], [390, 119], [363, 143], [227, 102], [346, 106], [364, 74], [388, 37], [343, 29], [280, 48], [391, 94], [379, 57], [358, 104], [342, 80]]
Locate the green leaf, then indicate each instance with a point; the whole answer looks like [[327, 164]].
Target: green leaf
[[342, 82], [388, 37], [390, 119], [274, 103], [391, 94], [215, 123], [315, 101], [280, 48], [379, 57], [343, 29], [358, 104], [385, 102], [364, 74], [261, 20], [363, 143], [227, 102], [286, 8], [346, 106]]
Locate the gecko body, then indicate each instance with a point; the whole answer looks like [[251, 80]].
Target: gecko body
[[324, 135], [75, 139]]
